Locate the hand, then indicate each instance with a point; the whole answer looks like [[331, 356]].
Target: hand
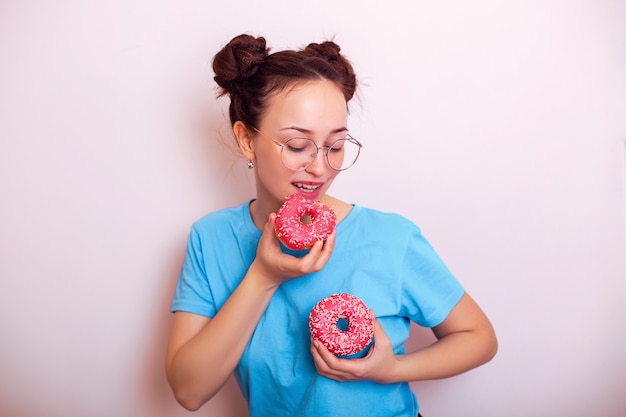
[[378, 365], [272, 263]]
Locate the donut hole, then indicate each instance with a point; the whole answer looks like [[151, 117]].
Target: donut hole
[[342, 324], [306, 218]]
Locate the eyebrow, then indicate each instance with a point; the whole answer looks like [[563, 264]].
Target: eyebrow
[[309, 132]]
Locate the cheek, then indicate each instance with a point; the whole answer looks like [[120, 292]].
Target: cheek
[[272, 172], [333, 174], [268, 158]]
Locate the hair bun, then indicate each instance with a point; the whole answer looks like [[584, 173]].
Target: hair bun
[[238, 60], [327, 50]]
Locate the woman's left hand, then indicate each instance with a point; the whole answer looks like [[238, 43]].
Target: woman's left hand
[[378, 365]]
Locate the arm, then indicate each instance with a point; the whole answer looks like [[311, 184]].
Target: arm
[[202, 352], [466, 340]]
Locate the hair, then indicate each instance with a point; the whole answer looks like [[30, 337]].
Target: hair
[[247, 72]]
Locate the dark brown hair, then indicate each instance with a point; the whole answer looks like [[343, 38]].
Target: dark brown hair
[[249, 74]]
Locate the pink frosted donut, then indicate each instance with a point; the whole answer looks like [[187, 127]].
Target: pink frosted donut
[[342, 323], [301, 222]]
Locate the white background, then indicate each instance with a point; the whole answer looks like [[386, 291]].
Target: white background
[[498, 127]]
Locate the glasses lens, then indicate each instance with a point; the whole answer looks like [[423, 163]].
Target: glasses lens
[[298, 153], [343, 153]]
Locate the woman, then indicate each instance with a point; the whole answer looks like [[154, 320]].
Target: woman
[[242, 300]]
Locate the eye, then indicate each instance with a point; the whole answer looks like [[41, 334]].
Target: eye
[[297, 145], [292, 148], [337, 146]]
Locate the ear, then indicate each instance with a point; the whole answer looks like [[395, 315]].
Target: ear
[[244, 139]]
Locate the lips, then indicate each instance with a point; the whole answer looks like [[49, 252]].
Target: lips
[[307, 187], [309, 190]]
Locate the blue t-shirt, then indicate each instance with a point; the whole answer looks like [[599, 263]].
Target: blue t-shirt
[[379, 257]]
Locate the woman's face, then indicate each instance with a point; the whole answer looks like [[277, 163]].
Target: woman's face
[[315, 110]]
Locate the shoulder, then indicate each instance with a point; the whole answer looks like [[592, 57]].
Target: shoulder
[[376, 226], [220, 217], [385, 219], [221, 223]]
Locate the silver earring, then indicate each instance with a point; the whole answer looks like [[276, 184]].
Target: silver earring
[[250, 164]]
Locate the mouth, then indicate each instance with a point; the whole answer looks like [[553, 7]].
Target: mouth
[[306, 188]]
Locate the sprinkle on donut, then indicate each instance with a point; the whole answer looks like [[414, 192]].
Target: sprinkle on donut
[[301, 222], [342, 322]]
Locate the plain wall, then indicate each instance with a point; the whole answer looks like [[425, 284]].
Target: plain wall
[[497, 127]]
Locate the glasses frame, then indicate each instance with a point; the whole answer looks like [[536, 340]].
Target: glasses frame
[[317, 150]]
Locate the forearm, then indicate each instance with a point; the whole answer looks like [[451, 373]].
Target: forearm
[[465, 339], [451, 355], [199, 368]]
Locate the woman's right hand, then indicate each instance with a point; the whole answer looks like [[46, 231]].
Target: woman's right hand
[[276, 266], [202, 352]]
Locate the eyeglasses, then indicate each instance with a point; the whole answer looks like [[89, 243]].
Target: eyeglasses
[[297, 154]]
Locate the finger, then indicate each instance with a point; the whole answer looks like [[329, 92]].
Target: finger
[[269, 234], [317, 349], [329, 244], [324, 360], [270, 224], [318, 360], [321, 247], [268, 229], [379, 332], [322, 251], [329, 361], [325, 355], [311, 261]]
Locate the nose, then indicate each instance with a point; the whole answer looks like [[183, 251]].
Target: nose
[[318, 165]]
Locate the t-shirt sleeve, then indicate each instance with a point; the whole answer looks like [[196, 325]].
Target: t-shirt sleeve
[[431, 290], [193, 292]]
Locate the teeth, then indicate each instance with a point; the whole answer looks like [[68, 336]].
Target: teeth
[[306, 187]]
